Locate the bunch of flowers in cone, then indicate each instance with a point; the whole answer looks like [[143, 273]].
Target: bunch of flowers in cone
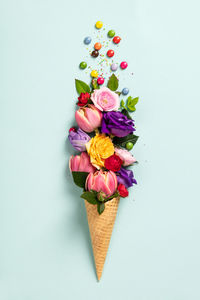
[[104, 133]]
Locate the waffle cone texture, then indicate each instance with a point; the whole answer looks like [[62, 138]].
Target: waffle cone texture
[[101, 227]]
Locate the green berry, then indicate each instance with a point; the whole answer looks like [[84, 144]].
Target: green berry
[[129, 146], [83, 65], [111, 33]]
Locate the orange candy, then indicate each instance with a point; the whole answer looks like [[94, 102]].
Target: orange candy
[[97, 46]]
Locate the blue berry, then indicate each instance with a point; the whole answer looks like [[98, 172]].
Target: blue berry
[[125, 91], [87, 40]]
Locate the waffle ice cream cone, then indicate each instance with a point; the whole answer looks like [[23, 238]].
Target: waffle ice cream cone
[[101, 227]]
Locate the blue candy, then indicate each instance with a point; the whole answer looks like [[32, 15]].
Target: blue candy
[[87, 40], [125, 91]]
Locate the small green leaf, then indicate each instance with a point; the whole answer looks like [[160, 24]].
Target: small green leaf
[[115, 195], [94, 84], [131, 102], [113, 83], [121, 141], [100, 207], [125, 112], [90, 197], [81, 86], [80, 178]]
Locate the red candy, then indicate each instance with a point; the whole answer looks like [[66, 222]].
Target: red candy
[[123, 65], [116, 39], [100, 80], [72, 129], [110, 53]]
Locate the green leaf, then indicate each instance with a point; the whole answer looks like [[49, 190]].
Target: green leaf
[[90, 197], [100, 207], [126, 113], [131, 102], [80, 178], [81, 86], [115, 195], [121, 141], [113, 83], [94, 84]]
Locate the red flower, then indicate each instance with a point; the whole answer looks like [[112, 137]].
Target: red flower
[[122, 190], [83, 99], [113, 163]]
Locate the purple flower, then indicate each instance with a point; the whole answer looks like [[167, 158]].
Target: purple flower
[[78, 139], [126, 177], [114, 122]]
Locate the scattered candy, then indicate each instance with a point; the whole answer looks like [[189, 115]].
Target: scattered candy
[[95, 53], [111, 33], [72, 129], [116, 39], [97, 46], [129, 146], [123, 65], [94, 74], [114, 67], [99, 24], [100, 80], [125, 91], [83, 65], [87, 40], [110, 53]]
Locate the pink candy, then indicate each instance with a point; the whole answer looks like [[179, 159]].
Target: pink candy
[[100, 80], [123, 65]]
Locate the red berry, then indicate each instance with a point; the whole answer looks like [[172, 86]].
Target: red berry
[[110, 53], [72, 129], [116, 39]]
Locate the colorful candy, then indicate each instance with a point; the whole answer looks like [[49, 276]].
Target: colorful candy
[[94, 74], [129, 146], [87, 40], [99, 24], [125, 91], [116, 39], [114, 67], [95, 53], [123, 65], [83, 65], [110, 53], [111, 33], [100, 80], [97, 46]]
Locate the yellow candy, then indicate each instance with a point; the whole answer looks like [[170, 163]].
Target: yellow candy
[[94, 74], [99, 24]]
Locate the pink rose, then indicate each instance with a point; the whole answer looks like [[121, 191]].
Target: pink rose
[[125, 156], [105, 99]]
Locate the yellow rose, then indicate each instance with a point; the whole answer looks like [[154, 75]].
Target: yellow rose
[[99, 148]]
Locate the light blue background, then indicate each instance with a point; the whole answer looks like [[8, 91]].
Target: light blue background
[[45, 249]]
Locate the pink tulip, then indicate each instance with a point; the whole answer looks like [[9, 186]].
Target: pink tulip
[[102, 181], [88, 118], [81, 163], [125, 156]]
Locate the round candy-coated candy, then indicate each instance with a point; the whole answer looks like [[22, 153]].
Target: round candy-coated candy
[[114, 67], [125, 91], [123, 65], [129, 146], [83, 65], [97, 46], [94, 73], [95, 53], [110, 53], [72, 129], [111, 33], [99, 24], [87, 40], [116, 39], [100, 80]]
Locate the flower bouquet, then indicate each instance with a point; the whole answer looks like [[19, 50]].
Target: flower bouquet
[[104, 135]]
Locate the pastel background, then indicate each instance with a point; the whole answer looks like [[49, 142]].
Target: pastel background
[[45, 250]]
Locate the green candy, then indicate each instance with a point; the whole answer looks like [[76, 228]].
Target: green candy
[[129, 146], [83, 65], [111, 33]]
